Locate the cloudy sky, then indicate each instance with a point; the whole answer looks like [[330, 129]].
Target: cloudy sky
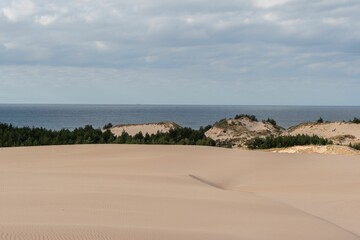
[[281, 52]]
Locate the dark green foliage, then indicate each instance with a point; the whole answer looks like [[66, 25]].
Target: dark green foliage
[[176, 136], [25, 136], [108, 126], [355, 120], [221, 123], [206, 128], [320, 120], [287, 141], [272, 121], [251, 117], [355, 146]]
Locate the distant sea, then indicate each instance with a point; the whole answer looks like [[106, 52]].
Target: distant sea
[[72, 116]]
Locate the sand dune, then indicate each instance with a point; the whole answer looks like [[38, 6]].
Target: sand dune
[[176, 192], [237, 132], [339, 132], [328, 149], [150, 128]]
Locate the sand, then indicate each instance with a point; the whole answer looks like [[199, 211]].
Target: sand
[[176, 192], [238, 132], [150, 128], [342, 133], [328, 149]]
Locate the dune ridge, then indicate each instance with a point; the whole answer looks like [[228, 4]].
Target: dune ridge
[[342, 133], [149, 128]]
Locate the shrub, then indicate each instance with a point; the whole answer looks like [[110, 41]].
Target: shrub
[[286, 141], [251, 117], [222, 123], [320, 120], [355, 120], [355, 146], [108, 126], [272, 121]]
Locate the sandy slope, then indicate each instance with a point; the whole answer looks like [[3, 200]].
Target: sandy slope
[[150, 128], [176, 192], [237, 132], [328, 149], [339, 132]]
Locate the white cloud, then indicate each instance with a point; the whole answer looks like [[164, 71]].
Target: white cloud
[[334, 21], [271, 17], [10, 45], [89, 17], [45, 20], [100, 45], [18, 10], [269, 3], [151, 59], [227, 41]]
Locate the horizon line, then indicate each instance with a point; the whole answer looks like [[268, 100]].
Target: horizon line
[[180, 104]]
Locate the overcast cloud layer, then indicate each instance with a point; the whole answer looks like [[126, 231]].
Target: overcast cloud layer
[[180, 51]]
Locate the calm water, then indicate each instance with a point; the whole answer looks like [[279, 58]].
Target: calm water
[[72, 116]]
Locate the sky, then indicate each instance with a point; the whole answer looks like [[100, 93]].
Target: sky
[[236, 52]]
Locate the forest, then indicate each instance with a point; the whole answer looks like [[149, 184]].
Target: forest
[[11, 136]]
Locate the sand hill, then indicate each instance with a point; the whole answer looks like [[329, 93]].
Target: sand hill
[[150, 128], [329, 149], [112, 192], [342, 133], [237, 132]]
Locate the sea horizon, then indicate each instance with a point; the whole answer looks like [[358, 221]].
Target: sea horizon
[[70, 116], [184, 104]]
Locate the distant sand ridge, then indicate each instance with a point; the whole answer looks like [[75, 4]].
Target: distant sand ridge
[[236, 132], [328, 149], [150, 128], [342, 133], [135, 192]]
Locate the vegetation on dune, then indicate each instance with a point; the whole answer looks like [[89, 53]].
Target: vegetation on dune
[[320, 120], [222, 123], [355, 120], [286, 141], [108, 126], [251, 117], [355, 146], [11, 136], [175, 136], [272, 122]]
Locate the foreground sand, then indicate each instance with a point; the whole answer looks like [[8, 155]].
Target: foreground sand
[[176, 192]]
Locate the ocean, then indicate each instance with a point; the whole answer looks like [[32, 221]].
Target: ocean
[[71, 116]]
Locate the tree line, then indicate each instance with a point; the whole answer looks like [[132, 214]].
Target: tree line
[[287, 141], [11, 136]]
